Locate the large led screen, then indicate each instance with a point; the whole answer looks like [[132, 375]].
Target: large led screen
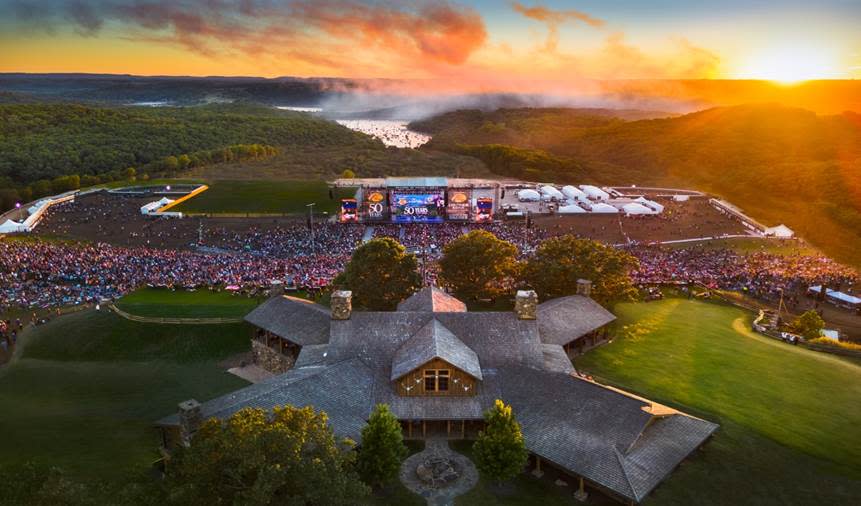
[[418, 207]]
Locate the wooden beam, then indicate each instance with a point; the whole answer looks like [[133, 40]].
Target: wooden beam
[[537, 463], [463, 429], [448, 428], [424, 428], [409, 429]]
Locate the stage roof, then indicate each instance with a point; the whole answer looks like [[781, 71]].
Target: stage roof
[[430, 182]]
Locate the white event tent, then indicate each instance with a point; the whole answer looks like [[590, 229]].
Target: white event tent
[[594, 192], [528, 196], [636, 208], [571, 209], [603, 208]]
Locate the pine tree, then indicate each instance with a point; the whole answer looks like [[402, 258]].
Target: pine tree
[[500, 452], [382, 447]]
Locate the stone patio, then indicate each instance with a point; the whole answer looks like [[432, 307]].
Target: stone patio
[[438, 473]]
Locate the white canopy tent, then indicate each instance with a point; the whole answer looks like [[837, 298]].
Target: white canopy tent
[[150, 207], [573, 193], [552, 192], [781, 231], [636, 208], [594, 192], [571, 209], [651, 204], [603, 208], [528, 196], [11, 226]]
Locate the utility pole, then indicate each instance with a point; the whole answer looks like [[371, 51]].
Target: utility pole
[[311, 226], [200, 233]]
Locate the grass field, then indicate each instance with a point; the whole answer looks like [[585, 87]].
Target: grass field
[[752, 245], [265, 197], [187, 304], [789, 417], [87, 387]]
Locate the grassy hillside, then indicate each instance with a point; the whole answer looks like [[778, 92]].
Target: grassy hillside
[[85, 392], [788, 416], [779, 164]]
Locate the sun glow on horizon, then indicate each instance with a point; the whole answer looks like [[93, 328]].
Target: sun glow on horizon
[[791, 64]]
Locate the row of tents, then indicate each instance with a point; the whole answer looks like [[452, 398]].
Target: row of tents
[[589, 199]]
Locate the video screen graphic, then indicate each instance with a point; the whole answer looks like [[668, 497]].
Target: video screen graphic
[[484, 210], [418, 207], [349, 211], [376, 204], [458, 205]]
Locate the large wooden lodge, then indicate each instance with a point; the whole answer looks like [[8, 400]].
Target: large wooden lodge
[[439, 367]]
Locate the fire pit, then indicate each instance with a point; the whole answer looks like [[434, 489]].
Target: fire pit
[[437, 471]]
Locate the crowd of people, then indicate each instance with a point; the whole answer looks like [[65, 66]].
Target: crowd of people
[[54, 274], [760, 274]]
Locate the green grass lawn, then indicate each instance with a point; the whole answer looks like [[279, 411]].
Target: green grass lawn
[[87, 387], [187, 304], [789, 417], [285, 197]]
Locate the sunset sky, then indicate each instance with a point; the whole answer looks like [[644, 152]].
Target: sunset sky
[[481, 41]]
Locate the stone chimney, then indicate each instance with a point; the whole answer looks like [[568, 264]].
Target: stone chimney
[[584, 287], [190, 418], [341, 304], [526, 304]]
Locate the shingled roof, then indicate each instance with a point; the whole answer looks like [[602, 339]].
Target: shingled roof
[[565, 319], [296, 320], [432, 299], [611, 438], [430, 342]]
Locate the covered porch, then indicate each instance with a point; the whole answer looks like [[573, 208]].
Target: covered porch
[[441, 429]]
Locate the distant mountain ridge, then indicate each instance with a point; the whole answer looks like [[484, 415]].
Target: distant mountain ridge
[[780, 163]]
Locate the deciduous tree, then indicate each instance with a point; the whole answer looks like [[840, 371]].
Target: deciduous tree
[[809, 325], [290, 457], [478, 265], [559, 262], [380, 274]]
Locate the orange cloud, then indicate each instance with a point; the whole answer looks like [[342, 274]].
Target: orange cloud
[[554, 18]]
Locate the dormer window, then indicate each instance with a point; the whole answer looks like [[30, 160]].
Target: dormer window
[[436, 380]]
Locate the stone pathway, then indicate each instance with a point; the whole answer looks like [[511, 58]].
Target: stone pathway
[[443, 495]]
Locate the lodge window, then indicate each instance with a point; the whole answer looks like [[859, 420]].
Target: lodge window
[[436, 380]]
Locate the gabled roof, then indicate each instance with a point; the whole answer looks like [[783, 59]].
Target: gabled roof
[[432, 341], [565, 319], [604, 435], [433, 300], [297, 320]]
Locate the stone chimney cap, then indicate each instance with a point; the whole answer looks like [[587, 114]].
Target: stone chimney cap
[[526, 304], [189, 405]]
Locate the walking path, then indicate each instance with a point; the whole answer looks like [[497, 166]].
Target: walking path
[[445, 494], [173, 321]]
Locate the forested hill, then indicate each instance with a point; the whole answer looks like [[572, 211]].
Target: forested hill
[[43, 141], [780, 164]]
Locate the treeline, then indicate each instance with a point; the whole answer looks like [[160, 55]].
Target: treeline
[[779, 164], [45, 141], [528, 164], [165, 167]]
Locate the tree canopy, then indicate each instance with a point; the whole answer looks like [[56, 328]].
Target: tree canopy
[[809, 325], [288, 457], [380, 274], [558, 262], [479, 265], [382, 448], [500, 451]]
